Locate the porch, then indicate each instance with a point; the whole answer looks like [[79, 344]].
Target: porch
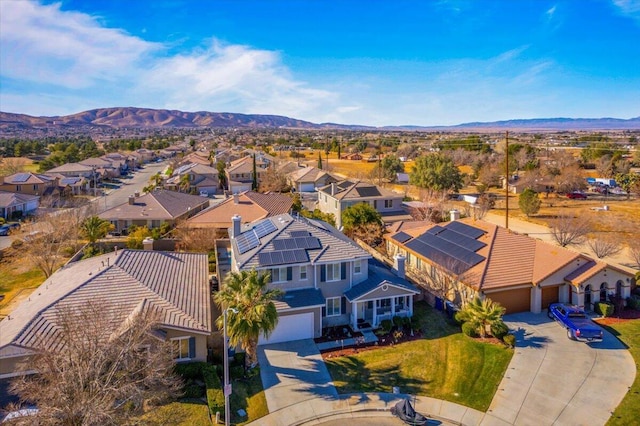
[[369, 313]]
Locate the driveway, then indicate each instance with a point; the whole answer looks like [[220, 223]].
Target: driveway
[[552, 380], [293, 372]]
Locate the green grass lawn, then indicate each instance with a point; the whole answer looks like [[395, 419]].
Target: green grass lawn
[[17, 278], [248, 395], [627, 411], [444, 364], [179, 413]]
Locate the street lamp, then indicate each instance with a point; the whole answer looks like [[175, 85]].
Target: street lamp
[[227, 385]]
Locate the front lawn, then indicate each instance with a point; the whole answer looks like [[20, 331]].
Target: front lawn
[[444, 364], [629, 333], [249, 396], [180, 413], [17, 280]]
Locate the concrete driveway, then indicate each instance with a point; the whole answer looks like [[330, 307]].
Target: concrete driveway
[[293, 372], [552, 380]]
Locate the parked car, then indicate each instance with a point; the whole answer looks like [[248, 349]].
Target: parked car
[[4, 230], [579, 326], [577, 196]]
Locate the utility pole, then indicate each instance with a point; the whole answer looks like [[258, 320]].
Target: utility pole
[[506, 186]]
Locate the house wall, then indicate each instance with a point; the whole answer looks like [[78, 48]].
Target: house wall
[[606, 276], [334, 288], [201, 342], [295, 282], [328, 204], [9, 366]]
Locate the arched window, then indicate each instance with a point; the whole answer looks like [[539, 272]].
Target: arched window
[[619, 288], [587, 296], [603, 292]]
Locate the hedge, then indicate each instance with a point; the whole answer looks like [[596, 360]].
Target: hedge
[[215, 395], [469, 330]]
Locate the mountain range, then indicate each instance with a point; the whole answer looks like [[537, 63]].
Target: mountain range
[[130, 117]]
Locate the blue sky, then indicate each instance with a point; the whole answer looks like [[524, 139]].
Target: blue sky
[[354, 62]]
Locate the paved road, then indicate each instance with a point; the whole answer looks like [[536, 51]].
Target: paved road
[[552, 380], [129, 187]]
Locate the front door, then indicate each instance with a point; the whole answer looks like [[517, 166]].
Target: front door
[[362, 308]]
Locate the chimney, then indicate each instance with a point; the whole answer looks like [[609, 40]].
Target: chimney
[[236, 198], [132, 200], [455, 215], [147, 244], [137, 194], [333, 188], [115, 251], [398, 265], [237, 221]]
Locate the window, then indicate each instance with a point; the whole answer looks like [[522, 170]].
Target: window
[[357, 267], [278, 275], [35, 187], [388, 204], [333, 272], [333, 306], [183, 348], [336, 204], [375, 204], [303, 273], [155, 224], [603, 292], [418, 263]]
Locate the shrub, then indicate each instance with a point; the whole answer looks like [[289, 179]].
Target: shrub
[[192, 391], [604, 308], [469, 330], [633, 302], [236, 372], [459, 317], [398, 321], [2, 221], [238, 359], [386, 325], [510, 340], [190, 370], [215, 395], [16, 244], [499, 329]]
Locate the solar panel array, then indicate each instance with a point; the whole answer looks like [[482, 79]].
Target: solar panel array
[[402, 237], [306, 243], [265, 227], [21, 177], [282, 257], [247, 241], [453, 246], [368, 191], [69, 180], [296, 234]]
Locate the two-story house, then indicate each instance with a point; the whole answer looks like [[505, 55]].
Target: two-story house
[[308, 179], [327, 279], [336, 197], [202, 179], [240, 174]]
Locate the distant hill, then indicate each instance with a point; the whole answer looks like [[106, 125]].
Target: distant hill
[[130, 117]]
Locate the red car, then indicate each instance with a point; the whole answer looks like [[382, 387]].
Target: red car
[[577, 196]]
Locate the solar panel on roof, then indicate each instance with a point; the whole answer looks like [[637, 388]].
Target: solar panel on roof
[[461, 240], [265, 227], [279, 244], [247, 241], [288, 256], [276, 257], [313, 243], [301, 256], [21, 177], [345, 184], [264, 259], [435, 230], [296, 234], [465, 229], [369, 191], [402, 237]]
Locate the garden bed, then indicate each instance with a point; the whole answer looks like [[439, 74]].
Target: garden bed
[[342, 332]]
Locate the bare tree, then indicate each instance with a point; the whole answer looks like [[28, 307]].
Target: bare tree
[[274, 181], [105, 367], [433, 205], [605, 245], [567, 230], [9, 166], [634, 252], [53, 237], [444, 280], [199, 240], [369, 233], [570, 179]]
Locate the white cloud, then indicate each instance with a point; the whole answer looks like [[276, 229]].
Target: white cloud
[[630, 8], [551, 11]]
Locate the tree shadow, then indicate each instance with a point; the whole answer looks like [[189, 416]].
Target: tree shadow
[[526, 339]]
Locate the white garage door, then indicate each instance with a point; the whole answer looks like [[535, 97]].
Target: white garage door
[[307, 187], [291, 327]]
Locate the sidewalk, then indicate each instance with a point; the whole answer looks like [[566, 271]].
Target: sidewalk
[[371, 405]]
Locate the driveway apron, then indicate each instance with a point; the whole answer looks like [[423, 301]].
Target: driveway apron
[[293, 372], [552, 380]]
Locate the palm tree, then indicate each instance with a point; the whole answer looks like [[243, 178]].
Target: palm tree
[[247, 292], [482, 314], [93, 228], [185, 183]]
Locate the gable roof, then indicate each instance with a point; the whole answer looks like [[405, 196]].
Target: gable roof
[[27, 178], [251, 206], [8, 199], [157, 205], [357, 190], [331, 246], [241, 165], [70, 168], [379, 275], [308, 174], [174, 284]]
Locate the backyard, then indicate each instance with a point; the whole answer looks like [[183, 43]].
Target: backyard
[[18, 279], [444, 364]]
